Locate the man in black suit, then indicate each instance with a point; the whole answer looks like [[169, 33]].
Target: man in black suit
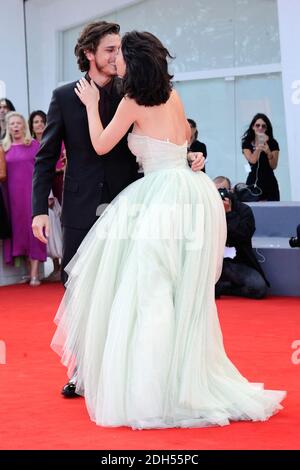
[[241, 275], [91, 181]]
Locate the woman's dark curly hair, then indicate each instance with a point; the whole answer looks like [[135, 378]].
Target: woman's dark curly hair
[[40, 113], [146, 79], [89, 41], [249, 135]]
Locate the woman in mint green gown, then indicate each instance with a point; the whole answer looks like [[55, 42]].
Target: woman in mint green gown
[[139, 318]]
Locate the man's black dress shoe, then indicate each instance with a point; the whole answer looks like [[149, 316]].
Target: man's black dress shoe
[[68, 390]]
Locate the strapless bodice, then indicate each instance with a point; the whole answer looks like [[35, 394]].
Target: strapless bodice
[[154, 154]]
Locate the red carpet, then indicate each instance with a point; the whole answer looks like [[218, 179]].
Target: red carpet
[[258, 336]]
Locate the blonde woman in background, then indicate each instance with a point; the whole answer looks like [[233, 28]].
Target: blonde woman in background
[[20, 151]]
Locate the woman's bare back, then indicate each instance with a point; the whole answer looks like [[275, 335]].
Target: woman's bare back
[[164, 122]]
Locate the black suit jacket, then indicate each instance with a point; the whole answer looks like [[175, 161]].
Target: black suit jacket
[[240, 230], [86, 172]]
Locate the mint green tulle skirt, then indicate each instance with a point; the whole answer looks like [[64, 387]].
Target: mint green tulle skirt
[[139, 320]]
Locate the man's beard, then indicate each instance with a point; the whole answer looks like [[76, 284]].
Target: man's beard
[[101, 69]]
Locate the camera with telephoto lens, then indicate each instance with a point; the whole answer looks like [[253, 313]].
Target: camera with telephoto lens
[[295, 241], [224, 193]]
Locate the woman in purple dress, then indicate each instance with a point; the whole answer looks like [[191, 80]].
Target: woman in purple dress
[[20, 151]]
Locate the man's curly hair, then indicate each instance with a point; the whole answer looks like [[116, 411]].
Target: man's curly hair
[[89, 40]]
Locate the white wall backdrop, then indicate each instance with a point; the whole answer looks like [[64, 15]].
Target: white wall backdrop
[[202, 34], [227, 42], [46, 20], [289, 16], [13, 81], [223, 109]]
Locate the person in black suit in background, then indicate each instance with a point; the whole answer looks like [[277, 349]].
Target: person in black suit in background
[[90, 181], [194, 144]]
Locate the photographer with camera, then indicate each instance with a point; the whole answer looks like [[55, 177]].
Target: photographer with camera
[[241, 275]]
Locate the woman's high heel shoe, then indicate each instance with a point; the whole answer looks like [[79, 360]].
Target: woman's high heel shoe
[[34, 282]]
